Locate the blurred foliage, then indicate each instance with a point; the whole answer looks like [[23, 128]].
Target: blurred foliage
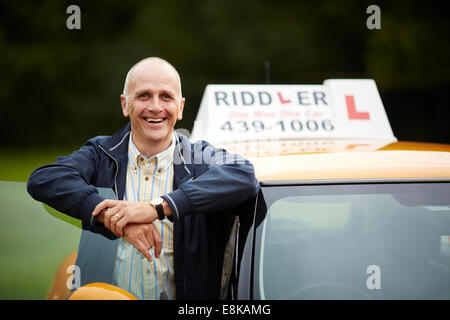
[[59, 87]]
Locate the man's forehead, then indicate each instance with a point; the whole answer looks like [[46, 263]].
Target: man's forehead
[[151, 69], [154, 64]]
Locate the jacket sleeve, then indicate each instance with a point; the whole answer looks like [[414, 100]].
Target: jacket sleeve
[[228, 181], [65, 186]]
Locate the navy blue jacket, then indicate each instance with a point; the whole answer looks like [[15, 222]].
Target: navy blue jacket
[[210, 187]]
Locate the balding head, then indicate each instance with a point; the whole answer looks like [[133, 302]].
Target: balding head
[[152, 100], [148, 63]]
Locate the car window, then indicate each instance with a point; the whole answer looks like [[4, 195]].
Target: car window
[[34, 241], [378, 241]]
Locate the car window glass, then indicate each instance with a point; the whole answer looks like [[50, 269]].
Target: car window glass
[[359, 244]]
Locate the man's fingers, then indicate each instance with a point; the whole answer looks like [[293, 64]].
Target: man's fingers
[[120, 223], [108, 203], [112, 215], [151, 243], [157, 241], [99, 208], [107, 217], [113, 223], [143, 249], [150, 236]]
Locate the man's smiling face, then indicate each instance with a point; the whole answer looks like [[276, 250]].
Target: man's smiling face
[[153, 104]]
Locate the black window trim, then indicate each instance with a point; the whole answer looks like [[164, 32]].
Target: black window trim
[[300, 182]]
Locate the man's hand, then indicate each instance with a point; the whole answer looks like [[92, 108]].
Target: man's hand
[[143, 237], [118, 213]]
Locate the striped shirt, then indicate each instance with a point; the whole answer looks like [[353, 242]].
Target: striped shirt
[[147, 179]]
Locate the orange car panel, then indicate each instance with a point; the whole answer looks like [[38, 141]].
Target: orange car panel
[[101, 291], [397, 160]]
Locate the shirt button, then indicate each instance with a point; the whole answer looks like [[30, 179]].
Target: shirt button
[[146, 178], [159, 170]]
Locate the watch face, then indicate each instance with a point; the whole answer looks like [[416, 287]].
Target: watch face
[[157, 201]]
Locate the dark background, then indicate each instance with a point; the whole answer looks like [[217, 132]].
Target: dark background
[[60, 87]]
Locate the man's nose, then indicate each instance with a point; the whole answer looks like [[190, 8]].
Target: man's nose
[[155, 105]]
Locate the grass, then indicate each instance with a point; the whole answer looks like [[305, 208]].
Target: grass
[[17, 165], [34, 240]]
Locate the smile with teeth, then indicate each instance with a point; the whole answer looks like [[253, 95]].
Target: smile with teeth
[[154, 120]]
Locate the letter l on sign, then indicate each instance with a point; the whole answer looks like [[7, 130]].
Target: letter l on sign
[[282, 100], [354, 114]]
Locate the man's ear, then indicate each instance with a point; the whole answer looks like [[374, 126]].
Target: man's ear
[[123, 102], [180, 111]]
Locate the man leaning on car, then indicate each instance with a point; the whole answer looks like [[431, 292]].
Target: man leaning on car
[[183, 208]]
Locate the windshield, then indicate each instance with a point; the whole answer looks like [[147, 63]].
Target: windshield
[[373, 241]]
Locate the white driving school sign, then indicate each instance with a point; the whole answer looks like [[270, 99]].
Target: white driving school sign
[[338, 109]]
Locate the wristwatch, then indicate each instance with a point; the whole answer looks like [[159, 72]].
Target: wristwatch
[[158, 205]]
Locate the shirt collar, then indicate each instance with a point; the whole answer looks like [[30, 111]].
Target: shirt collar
[[163, 159]]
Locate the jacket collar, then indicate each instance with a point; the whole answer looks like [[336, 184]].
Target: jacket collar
[[117, 145]]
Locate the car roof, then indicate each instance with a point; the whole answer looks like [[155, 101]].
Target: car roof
[[395, 160]]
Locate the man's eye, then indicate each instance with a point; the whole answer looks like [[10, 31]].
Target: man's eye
[[167, 96], [144, 95]]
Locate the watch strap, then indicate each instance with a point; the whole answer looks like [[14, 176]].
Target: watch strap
[[160, 210]]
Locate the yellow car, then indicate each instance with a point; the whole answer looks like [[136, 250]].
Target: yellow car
[[345, 211], [350, 225]]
